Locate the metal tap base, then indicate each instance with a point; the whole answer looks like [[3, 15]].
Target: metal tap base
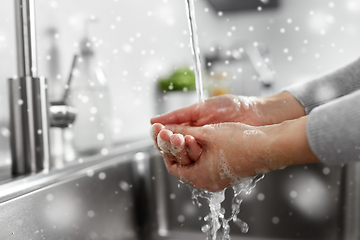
[[29, 125]]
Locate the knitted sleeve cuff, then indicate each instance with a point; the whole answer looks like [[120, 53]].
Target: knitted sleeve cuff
[[312, 94], [333, 130]]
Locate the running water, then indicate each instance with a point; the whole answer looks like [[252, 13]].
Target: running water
[[195, 47], [216, 218], [217, 226]]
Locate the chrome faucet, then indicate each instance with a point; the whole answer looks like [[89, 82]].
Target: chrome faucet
[[29, 107]]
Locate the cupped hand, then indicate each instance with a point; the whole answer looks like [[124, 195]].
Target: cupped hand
[[224, 108], [215, 156], [254, 111]]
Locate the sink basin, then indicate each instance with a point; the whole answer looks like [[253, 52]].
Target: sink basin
[[128, 194]]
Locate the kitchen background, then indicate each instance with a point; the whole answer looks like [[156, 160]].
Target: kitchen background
[[137, 42]]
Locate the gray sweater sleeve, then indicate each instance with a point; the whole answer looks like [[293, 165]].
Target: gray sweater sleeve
[[333, 105]]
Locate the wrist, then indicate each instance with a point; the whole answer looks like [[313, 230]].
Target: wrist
[[288, 143], [280, 107]]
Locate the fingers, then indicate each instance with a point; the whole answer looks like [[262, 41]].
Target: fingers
[[164, 145], [178, 143], [154, 132], [183, 115], [174, 145], [193, 149]]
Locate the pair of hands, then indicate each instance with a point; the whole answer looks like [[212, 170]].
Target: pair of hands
[[216, 143]]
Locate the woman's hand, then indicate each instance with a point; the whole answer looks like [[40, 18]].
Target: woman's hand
[[230, 108], [217, 156]]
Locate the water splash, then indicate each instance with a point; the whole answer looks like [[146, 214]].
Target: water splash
[[190, 10], [217, 225]]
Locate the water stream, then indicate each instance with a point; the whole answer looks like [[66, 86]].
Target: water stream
[[217, 225], [190, 10]]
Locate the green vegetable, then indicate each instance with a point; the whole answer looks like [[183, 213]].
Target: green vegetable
[[182, 79]]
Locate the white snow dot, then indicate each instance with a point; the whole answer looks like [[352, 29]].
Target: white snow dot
[[102, 176], [100, 136], [93, 110], [181, 218], [293, 194], [326, 171], [124, 186], [91, 214], [49, 197], [90, 173], [104, 151], [260, 196], [275, 220]]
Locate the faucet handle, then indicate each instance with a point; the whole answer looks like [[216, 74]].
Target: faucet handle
[[67, 89], [61, 114]]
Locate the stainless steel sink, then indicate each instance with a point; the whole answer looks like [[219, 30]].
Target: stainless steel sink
[[128, 194]]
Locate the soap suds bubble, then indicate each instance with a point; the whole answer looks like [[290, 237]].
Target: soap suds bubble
[[209, 131], [225, 169], [168, 147], [249, 133]]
